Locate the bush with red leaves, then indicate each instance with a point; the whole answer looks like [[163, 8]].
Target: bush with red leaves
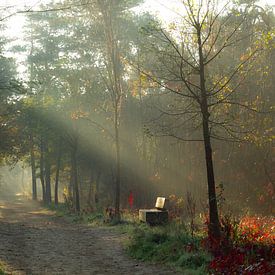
[[246, 247]]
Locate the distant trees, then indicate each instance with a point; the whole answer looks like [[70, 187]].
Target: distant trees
[[115, 100], [10, 91], [115, 44], [80, 76]]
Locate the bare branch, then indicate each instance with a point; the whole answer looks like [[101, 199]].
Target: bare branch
[[247, 107], [225, 44], [99, 126], [232, 76], [177, 50], [179, 138]]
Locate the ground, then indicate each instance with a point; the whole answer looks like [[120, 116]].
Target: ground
[[34, 241]]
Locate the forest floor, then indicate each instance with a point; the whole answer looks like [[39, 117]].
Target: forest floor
[[33, 240]]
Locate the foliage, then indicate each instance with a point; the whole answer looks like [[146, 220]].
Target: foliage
[[2, 269], [176, 207], [246, 247], [171, 245]]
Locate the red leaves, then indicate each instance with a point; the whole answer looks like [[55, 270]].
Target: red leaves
[[238, 261], [258, 230], [228, 263], [245, 248]]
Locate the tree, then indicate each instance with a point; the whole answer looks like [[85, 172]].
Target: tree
[[111, 20], [192, 90], [10, 91]]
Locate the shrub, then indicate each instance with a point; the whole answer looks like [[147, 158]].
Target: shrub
[[246, 247]]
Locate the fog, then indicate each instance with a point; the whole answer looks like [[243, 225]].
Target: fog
[[15, 180], [115, 101]]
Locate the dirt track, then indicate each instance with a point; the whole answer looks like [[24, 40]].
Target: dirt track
[[34, 241]]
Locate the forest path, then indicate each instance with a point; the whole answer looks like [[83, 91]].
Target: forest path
[[34, 241]]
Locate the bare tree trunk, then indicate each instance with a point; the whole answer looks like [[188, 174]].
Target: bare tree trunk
[[90, 204], [48, 192], [34, 189], [109, 10], [58, 163], [214, 224], [42, 172], [75, 177], [118, 166]]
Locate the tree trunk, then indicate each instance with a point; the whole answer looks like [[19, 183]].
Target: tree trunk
[[109, 13], [117, 196], [58, 163], [214, 224], [89, 200], [96, 195], [48, 175], [42, 172], [75, 178], [34, 189]]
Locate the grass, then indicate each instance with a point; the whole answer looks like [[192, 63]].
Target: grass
[[2, 272], [61, 210], [171, 245], [247, 243]]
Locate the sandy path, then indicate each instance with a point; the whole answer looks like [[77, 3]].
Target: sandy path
[[34, 241]]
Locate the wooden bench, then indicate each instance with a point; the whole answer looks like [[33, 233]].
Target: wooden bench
[[157, 215]]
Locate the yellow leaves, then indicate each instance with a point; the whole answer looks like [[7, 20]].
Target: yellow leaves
[[244, 57], [223, 84], [135, 87], [269, 36], [266, 39], [28, 101], [180, 202], [172, 26], [260, 137], [79, 114], [145, 81], [48, 101]]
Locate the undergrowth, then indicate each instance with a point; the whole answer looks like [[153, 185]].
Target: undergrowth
[[246, 245], [86, 217], [171, 244], [2, 272]]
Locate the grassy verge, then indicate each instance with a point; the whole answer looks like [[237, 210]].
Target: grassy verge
[[245, 245], [171, 245], [61, 210], [2, 268]]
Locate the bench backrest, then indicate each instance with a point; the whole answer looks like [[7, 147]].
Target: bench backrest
[[160, 203]]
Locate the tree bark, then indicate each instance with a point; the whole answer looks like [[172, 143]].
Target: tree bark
[[118, 165], [214, 224], [75, 178], [48, 192], [42, 172], [58, 163], [89, 201], [34, 189], [109, 12]]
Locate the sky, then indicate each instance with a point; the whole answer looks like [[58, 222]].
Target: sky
[[165, 9]]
